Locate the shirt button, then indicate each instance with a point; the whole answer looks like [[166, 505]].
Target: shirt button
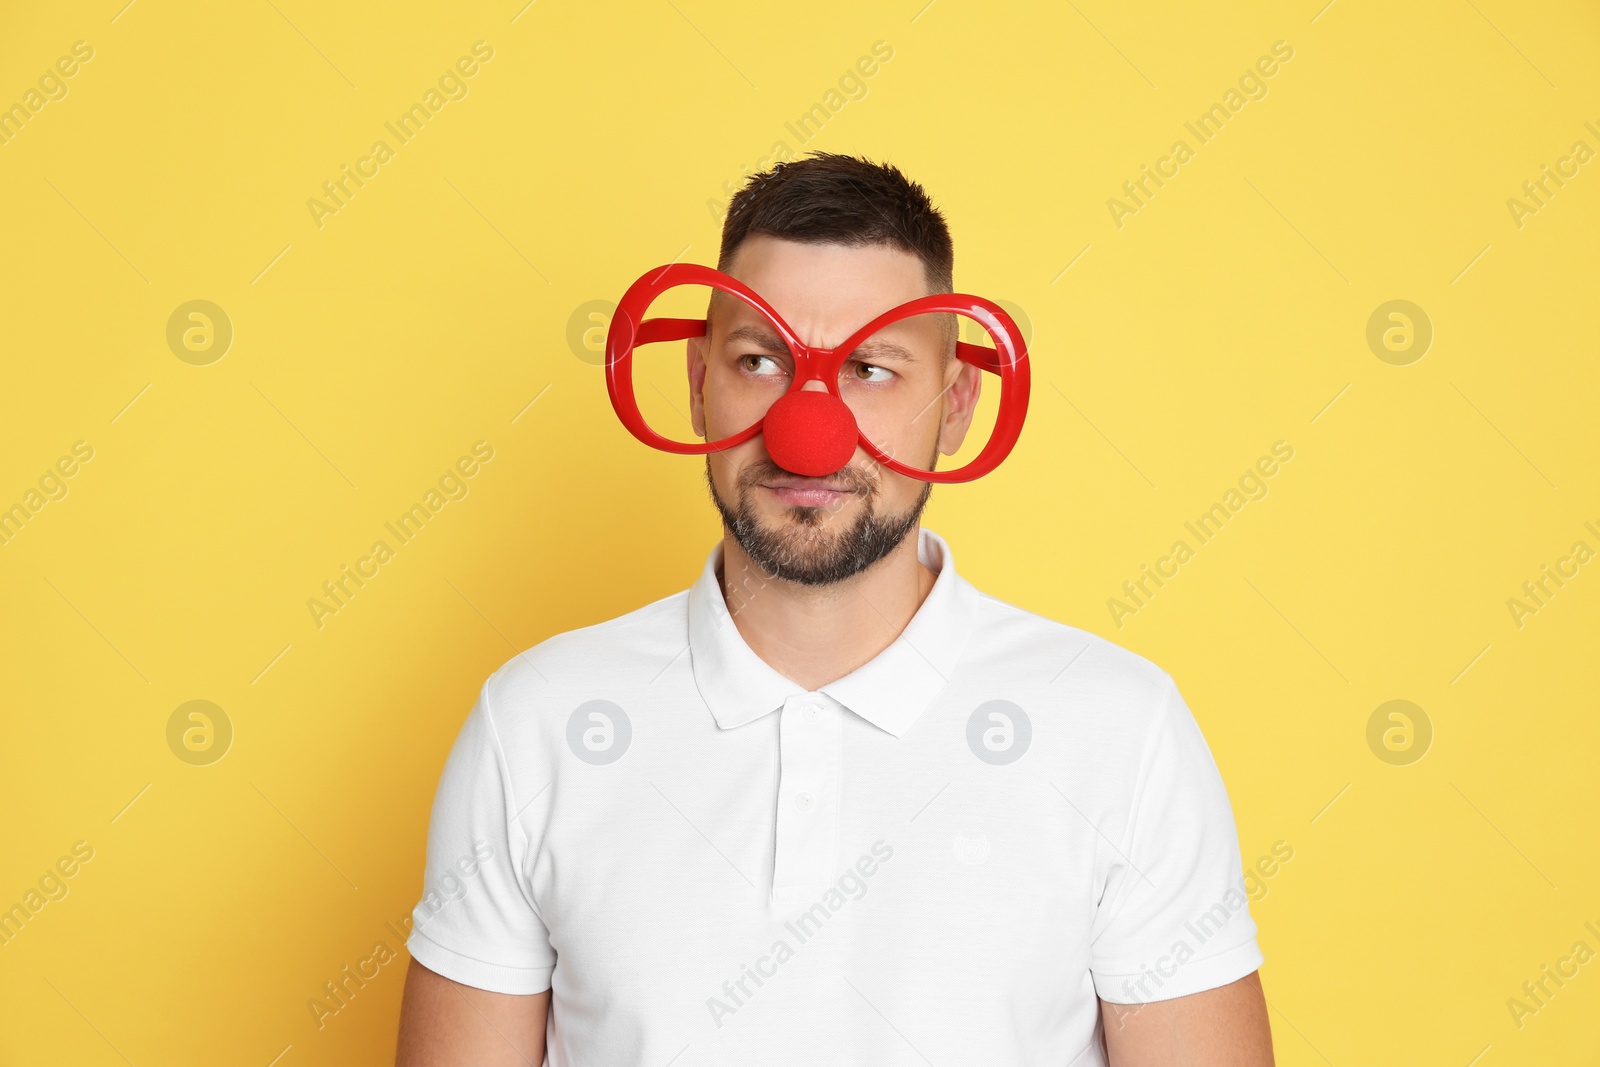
[[811, 713], [803, 801]]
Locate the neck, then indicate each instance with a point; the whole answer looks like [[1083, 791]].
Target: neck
[[814, 635]]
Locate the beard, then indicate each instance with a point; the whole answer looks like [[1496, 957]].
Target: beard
[[804, 551]]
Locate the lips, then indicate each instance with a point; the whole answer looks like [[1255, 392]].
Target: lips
[[799, 492], [808, 484]]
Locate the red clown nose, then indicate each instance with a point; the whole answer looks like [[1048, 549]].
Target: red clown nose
[[810, 432]]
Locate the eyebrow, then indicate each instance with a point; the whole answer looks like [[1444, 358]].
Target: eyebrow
[[760, 336], [768, 341]]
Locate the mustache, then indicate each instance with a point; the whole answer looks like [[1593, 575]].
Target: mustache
[[848, 479]]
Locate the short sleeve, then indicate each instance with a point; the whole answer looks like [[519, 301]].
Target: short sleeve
[[1175, 916], [477, 922]]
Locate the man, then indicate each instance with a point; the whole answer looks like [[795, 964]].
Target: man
[[832, 804]]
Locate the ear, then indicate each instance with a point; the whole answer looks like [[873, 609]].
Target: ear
[[695, 351], [960, 404]]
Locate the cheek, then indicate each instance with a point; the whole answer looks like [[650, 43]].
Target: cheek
[[727, 465], [731, 404], [905, 426]]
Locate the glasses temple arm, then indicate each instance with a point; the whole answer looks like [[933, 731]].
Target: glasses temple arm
[[980, 356], [652, 330]]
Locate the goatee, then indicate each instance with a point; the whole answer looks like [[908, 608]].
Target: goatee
[[804, 552]]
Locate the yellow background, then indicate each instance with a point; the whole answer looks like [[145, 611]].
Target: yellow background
[[369, 353]]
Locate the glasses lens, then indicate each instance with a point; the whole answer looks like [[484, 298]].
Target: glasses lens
[[660, 361], [914, 397]]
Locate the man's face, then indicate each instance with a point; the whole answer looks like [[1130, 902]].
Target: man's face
[[916, 401]]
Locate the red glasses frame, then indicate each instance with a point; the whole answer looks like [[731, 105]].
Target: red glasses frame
[[1009, 361]]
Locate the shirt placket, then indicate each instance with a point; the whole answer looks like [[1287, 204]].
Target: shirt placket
[[808, 797]]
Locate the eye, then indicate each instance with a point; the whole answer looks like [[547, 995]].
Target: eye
[[884, 374], [745, 364]]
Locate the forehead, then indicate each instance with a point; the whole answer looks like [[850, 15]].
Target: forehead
[[823, 291]]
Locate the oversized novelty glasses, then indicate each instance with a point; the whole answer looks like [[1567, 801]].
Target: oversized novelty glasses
[[762, 367]]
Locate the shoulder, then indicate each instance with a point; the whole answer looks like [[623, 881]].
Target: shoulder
[[1109, 727], [1103, 703], [1011, 641], [567, 668]]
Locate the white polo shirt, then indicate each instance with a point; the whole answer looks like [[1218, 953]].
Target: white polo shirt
[[942, 857]]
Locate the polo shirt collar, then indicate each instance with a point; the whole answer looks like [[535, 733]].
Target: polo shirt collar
[[890, 691]]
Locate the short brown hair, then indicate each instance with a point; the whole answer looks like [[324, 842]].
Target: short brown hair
[[838, 199], [829, 198]]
